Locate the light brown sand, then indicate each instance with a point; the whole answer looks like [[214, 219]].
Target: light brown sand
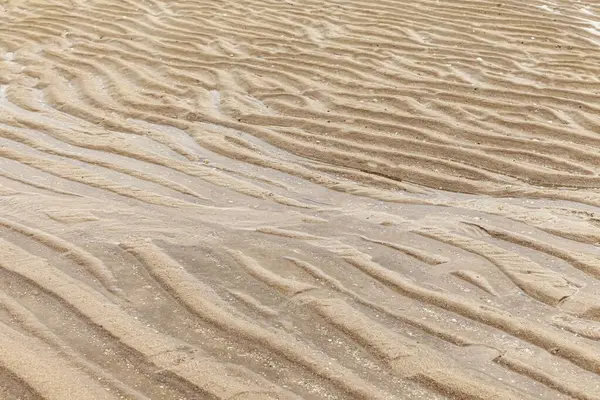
[[317, 199]]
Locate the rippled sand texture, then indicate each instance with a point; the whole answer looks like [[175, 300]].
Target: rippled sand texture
[[299, 199]]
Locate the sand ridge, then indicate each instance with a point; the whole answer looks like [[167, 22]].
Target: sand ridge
[[300, 199]]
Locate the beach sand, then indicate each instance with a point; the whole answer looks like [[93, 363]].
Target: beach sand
[[299, 199]]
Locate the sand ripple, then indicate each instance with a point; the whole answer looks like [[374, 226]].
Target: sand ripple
[[300, 199]]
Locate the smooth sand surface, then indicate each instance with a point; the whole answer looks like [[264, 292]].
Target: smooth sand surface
[[318, 199]]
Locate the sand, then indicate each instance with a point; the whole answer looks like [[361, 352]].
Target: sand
[[299, 199]]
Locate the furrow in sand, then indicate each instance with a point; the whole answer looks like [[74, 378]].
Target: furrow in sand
[[13, 385], [74, 173], [35, 327], [124, 148], [396, 172], [475, 279], [530, 175], [540, 283], [431, 328], [46, 371], [455, 160], [577, 326], [421, 255], [83, 258], [576, 351], [290, 287], [36, 185], [410, 359], [254, 304], [122, 101], [40, 146], [588, 263], [218, 379], [405, 356], [270, 230], [220, 146], [571, 385], [186, 289], [493, 152]]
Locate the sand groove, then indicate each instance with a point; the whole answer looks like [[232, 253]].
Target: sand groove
[[301, 199]]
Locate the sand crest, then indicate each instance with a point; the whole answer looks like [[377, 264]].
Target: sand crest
[[299, 199]]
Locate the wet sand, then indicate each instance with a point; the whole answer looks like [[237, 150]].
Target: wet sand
[[301, 199]]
